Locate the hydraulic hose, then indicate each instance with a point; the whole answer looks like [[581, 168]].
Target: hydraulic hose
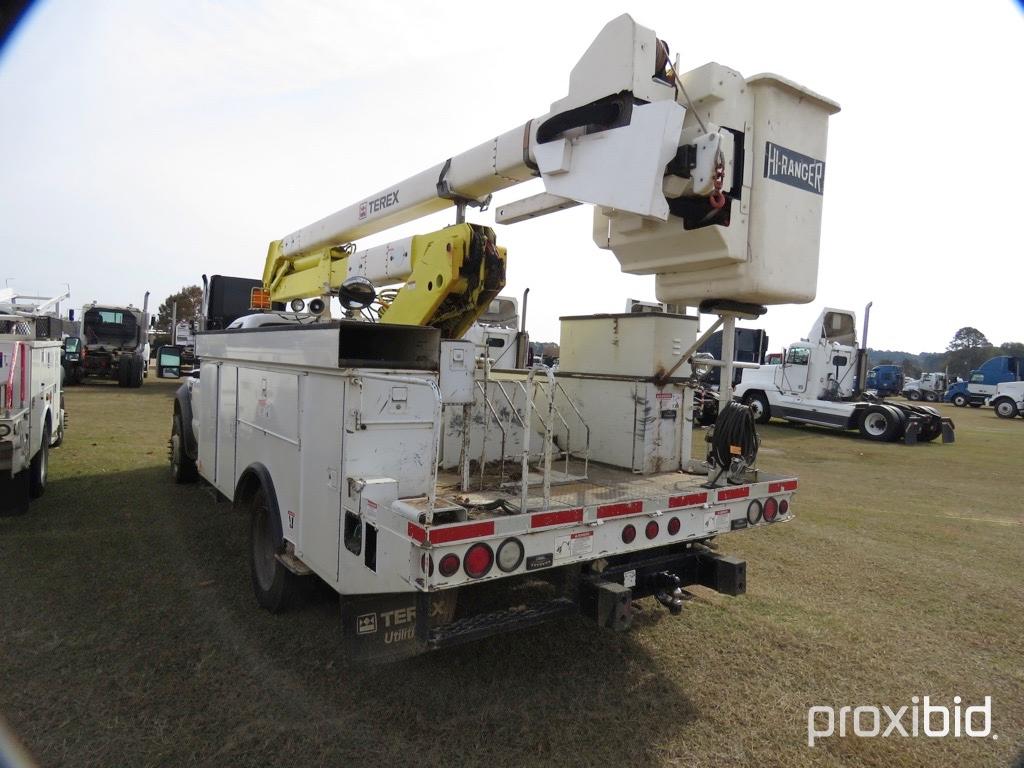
[[734, 436]]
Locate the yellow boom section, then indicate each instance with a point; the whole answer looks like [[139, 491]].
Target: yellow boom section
[[454, 274]]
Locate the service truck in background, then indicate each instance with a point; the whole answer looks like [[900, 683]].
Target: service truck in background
[[446, 500], [114, 345], [31, 401]]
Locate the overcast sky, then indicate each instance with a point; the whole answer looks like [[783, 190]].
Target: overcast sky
[[145, 143]]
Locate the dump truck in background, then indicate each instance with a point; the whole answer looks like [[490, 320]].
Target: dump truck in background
[[114, 345]]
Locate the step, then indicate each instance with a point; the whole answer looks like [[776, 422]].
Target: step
[[484, 625]]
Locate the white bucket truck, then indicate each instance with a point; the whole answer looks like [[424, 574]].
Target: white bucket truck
[[327, 432]]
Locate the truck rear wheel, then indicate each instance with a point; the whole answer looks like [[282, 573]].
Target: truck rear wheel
[[1005, 408], [183, 468], [930, 397], [40, 466], [758, 403], [960, 401], [877, 422], [913, 395], [136, 370], [273, 584], [124, 371]]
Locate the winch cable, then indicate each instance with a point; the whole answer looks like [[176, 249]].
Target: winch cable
[[734, 436]]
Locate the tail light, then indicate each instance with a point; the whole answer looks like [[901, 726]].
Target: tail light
[[754, 512], [673, 526], [478, 560], [628, 534], [510, 555], [449, 565], [652, 529], [783, 507], [771, 510]]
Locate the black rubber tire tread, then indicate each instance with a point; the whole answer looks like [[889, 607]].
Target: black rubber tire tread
[[124, 370], [766, 411], [265, 533], [891, 426], [40, 466], [183, 468]]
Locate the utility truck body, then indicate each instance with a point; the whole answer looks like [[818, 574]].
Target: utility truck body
[[31, 401], [446, 498]]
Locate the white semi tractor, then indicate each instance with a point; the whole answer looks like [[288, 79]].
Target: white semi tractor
[[566, 493], [31, 400], [816, 383], [1008, 399]]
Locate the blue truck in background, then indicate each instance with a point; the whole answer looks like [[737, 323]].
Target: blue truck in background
[[886, 379], [982, 382]]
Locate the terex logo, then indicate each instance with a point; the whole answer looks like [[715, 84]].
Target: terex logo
[[378, 204]]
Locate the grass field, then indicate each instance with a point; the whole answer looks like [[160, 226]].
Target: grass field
[[129, 635]]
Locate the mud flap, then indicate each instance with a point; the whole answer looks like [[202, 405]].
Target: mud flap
[[380, 628], [948, 436]]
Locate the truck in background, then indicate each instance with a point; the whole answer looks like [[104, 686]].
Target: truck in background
[[816, 383], [114, 345], [1008, 399], [930, 387], [982, 382], [31, 400], [886, 380]]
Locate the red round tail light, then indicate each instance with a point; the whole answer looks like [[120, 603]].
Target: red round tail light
[[449, 565], [652, 529], [478, 560], [783, 507], [628, 534], [673, 526], [771, 510]]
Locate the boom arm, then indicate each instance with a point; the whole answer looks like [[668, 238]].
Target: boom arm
[[672, 190]]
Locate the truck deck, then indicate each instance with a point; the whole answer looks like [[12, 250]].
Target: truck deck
[[604, 485]]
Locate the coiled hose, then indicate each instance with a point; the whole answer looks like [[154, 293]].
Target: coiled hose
[[734, 436]]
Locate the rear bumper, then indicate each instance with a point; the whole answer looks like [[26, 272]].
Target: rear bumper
[[393, 626]]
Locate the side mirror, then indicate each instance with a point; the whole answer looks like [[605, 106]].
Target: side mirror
[[168, 363], [72, 349], [152, 321]]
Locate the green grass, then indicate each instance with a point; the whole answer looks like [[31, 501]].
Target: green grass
[[129, 634]]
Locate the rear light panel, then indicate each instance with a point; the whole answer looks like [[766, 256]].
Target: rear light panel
[[478, 560]]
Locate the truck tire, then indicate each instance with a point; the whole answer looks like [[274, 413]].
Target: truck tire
[[878, 422], [14, 496], [960, 401], [273, 584], [914, 395], [40, 466], [124, 371], [1005, 408], [60, 425], [901, 423], [183, 468], [930, 397], [758, 403], [135, 378]]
